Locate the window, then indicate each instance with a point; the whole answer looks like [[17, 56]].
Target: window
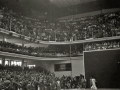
[[6, 62], [0, 61], [62, 67], [16, 63], [19, 63], [31, 66]]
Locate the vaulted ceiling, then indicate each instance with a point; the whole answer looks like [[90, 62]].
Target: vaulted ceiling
[[57, 8], [65, 3]]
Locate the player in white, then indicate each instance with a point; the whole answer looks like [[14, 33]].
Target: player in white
[[93, 81]]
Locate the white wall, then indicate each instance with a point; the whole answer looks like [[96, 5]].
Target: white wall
[[77, 66]]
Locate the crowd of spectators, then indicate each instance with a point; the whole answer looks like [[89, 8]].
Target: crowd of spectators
[[14, 78], [50, 51], [58, 51], [68, 82], [37, 78], [102, 45], [98, 26]]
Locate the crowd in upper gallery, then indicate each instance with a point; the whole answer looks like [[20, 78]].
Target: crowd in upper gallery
[[97, 26], [50, 51], [103, 45], [58, 50]]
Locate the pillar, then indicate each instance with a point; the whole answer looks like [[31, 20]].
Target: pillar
[[3, 61], [23, 43], [23, 64], [3, 38], [9, 62], [22, 59], [70, 60], [26, 63]]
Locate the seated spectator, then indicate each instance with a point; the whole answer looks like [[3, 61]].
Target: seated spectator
[[89, 27]]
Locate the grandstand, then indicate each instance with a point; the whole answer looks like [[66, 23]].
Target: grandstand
[[59, 44]]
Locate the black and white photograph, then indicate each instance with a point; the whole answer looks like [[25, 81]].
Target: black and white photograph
[[59, 44]]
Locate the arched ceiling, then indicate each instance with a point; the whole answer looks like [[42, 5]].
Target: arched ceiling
[[65, 3], [57, 8]]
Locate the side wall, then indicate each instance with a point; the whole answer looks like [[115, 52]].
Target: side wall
[[104, 66], [77, 66]]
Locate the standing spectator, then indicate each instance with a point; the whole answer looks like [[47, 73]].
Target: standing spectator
[[58, 84], [30, 86], [83, 82]]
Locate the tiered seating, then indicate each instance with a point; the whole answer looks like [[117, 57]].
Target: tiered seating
[[50, 51], [58, 51], [14, 78], [68, 82], [102, 45], [98, 26]]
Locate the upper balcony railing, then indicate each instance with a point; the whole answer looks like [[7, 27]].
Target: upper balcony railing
[[21, 56]]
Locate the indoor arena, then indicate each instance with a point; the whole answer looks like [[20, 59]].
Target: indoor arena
[[59, 44]]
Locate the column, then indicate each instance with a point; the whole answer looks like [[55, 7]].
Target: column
[[26, 63], [22, 43], [3, 38], [23, 64], [3, 61], [55, 35], [75, 47], [9, 62], [22, 59], [84, 47], [70, 60]]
